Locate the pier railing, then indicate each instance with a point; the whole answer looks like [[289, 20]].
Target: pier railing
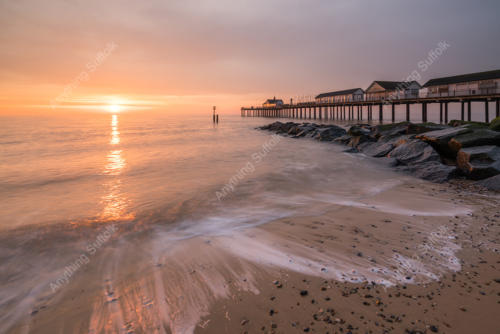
[[347, 110], [398, 95]]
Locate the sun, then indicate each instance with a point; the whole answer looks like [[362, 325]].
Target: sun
[[114, 108]]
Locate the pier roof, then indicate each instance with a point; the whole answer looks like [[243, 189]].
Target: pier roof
[[488, 75], [393, 85], [340, 92]]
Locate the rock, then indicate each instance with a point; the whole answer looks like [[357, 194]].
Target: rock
[[468, 124], [351, 150], [303, 293], [433, 328], [414, 151], [329, 133], [345, 139], [387, 162], [357, 140], [479, 162], [423, 127], [378, 149], [433, 171], [294, 130], [439, 139], [359, 130], [478, 137], [305, 130], [491, 183], [391, 130], [495, 124], [279, 127]]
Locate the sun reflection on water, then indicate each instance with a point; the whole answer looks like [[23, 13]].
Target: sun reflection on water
[[115, 201], [116, 163], [115, 134]]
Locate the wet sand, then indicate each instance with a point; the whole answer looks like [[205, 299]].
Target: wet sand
[[355, 268], [462, 301]]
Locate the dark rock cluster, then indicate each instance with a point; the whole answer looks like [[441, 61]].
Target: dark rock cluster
[[429, 151]]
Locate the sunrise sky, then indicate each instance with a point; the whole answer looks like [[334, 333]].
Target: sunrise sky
[[188, 55]]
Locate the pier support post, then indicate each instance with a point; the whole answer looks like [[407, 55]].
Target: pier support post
[[469, 111], [393, 116], [407, 112], [381, 112], [320, 112], [446, 113], [486, 111], [462, 111], [440, 112], [497, 112], [424, 112], [314, 112]]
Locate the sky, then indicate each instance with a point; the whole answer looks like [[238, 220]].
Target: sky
[[187, 55]]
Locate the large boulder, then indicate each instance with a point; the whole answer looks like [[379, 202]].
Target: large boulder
[[433, 171], [359, 130], [345, 139], [279, 127], [329, 133], [479, 162], [439, 139], [305, 130], [391, 130], [413, 129], [495, 124], [491, 183], [414, 151], [478, 137], [378, 149], [358, 140], [468, 124]]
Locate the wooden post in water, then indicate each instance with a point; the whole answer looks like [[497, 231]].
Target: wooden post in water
[[497, 112], [462, 111], [424, 117], [381, 113], [407, 112], [446, 113], [441, 112], [486, 111], [469, 111], [393, 113], [213, 117]]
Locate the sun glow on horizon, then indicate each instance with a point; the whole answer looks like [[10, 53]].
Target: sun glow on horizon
[[114, 108]]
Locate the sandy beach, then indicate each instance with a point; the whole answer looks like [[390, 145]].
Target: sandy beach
[[351, 269]]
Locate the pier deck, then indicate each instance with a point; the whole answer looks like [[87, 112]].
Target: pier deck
[[346, 110]]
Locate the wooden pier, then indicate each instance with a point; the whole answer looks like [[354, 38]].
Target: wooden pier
[[364, 110]]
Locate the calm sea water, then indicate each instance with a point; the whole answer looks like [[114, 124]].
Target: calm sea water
[[101, 167], [64, 179]]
